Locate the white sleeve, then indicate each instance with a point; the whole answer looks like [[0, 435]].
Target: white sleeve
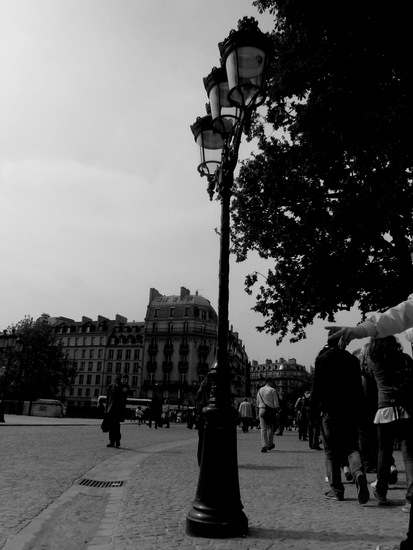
[[393, 321]]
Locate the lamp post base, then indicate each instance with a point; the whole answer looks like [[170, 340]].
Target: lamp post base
[[211, 523], [217, 511]]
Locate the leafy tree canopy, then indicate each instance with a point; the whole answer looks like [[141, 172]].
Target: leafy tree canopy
[[328, 197], [38, 367]]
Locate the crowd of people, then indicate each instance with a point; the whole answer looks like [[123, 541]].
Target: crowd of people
[[359, 406]]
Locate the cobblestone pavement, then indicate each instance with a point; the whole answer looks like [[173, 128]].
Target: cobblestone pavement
[[282, 493]]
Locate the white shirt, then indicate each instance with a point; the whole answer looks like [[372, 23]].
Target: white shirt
[[267, 396]]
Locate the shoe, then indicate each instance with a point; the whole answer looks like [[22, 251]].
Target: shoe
[[373, 484], [117, 444], [110, 445], [381, 499], [406, 507], [363, 494], [331, 495], [271, 447], [393, 476], [326, 479], [264, 450]]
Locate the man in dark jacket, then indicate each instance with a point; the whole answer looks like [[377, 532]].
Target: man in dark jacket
[[337, 400], [115, 409]]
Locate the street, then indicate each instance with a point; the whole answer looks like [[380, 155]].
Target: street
[[43, 505]]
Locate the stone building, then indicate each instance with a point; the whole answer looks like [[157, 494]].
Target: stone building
[[99, 349], [180, 345], [288, 374]]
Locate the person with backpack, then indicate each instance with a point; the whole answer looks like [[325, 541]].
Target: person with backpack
[[379, 325]]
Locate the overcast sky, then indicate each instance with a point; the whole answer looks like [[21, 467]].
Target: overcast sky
[[100, 199]]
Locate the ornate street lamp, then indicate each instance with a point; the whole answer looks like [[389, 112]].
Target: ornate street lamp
[[234, 90]]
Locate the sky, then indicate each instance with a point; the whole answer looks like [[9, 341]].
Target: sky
[[100, 198]]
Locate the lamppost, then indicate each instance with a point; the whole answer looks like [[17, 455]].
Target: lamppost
[[8, 341], [234, 90]]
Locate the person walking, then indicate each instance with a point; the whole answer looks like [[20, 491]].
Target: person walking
[[155, 413], [385, 360], [379, 325], [166, 419], [337, 397], [267, 403], [116, 396], [245, 414]]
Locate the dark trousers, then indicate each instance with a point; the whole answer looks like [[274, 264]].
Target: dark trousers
[[387, 433], [340, 439], [114, 431]]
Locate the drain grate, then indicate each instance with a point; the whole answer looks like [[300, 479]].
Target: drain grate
[[103, 484]]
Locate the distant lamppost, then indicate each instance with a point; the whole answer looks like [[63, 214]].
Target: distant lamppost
[[235, 90], [8, 342]]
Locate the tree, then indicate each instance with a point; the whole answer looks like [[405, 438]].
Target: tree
[[41, 368], [329, 195]]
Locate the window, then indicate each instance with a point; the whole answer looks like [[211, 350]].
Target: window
[[99, 367], [171, 312], [82, 365], [186, 311], [92, 341], [183, 378], [96, 392], [81, 378], [89, 379], [126, 368], [69, 341], [119, 354], [110, 367], [138, 353], [97, 379], [90, 365], [128, 354], [185, 327], [100, 353], [170, 327], [79, 392], [156, 313], [111, 354], [134, 381], [108, 380], [87, 392], [72, 391], [101, 341], [154, 327], [91, 353], [150, 377], [83, 353], [135, 367], [75, 353], [118, 367]]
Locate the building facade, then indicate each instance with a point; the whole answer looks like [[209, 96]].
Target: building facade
[[288, 375], [180, 345], [99, 349], [167, 355]]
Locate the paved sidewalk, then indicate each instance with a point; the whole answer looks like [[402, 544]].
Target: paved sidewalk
[[282, 492]]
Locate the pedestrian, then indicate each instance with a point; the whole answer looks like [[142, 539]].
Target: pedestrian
[[245, 414], [385, 360], [116, 397], [166, 419], [267, 403], [139, 415], [379, 325], [302, 408], [337, 397], [155, 413]]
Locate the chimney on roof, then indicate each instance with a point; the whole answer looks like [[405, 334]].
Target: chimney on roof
[[184, 292]]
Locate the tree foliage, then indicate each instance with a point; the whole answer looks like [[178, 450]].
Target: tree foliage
[[40, 367], [329, 197]]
